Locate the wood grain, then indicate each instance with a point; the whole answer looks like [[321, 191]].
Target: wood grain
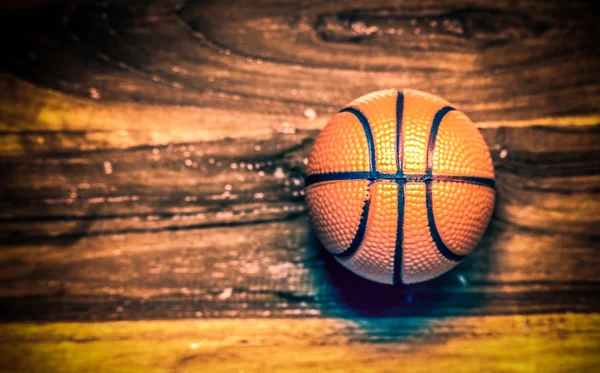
[[171, 71], [541, 343], [154, 154]]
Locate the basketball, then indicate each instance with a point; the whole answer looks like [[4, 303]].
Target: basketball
[[399, 186]]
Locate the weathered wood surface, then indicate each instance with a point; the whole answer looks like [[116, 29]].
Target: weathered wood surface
[[153, 154], [152, 157], [541, 343]]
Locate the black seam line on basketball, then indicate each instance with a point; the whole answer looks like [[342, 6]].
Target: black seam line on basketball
[[360, 231], [398, 252], [435, 235], [369, 135], [435, 126], [399, 142], [380, 176]]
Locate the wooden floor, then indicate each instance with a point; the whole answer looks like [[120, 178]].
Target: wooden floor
[[152, 214]]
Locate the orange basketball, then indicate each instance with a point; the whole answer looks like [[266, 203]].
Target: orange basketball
[[400, 186]]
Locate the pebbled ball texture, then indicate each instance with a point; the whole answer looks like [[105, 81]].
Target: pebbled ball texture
[[339, 207], [400, 186]]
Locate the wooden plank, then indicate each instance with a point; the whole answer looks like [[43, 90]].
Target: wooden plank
[[278, 269], [536, 343], [169, 72], [551, 171]]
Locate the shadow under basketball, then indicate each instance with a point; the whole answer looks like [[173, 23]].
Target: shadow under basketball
[[449, 295]]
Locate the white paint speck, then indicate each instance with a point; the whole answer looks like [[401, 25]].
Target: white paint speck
[[310, 113], [94, 93], [223, 196], [188, 162], [453, 25], [279, 174], [194, 346], [259, 195], [361, 28], [228, 187], [54, 201], [463, 280], [286, 128], [108, 168], [503, 153], [225, 294]]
